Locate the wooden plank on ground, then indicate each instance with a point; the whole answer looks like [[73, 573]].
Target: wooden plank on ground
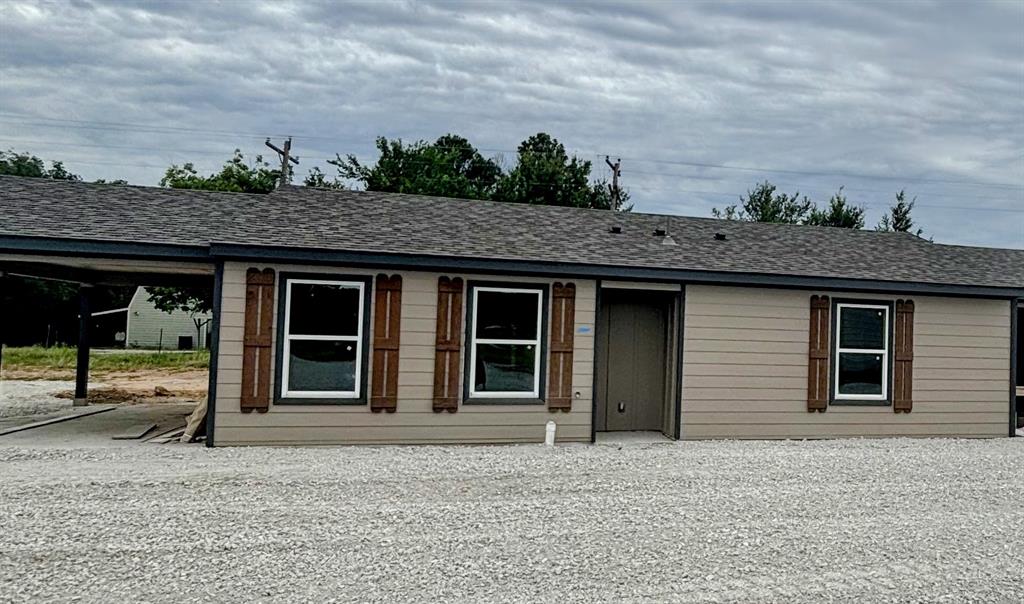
[[135, 432], [169, 436], [162, 432], [87, 411]]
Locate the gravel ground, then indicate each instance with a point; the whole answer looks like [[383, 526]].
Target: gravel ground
[[36, 397], [846, 521]]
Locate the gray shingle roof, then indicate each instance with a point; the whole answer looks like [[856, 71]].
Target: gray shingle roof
[[300, 217]]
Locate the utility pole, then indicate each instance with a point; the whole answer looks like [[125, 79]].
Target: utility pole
[[286, 161], [613, 189]]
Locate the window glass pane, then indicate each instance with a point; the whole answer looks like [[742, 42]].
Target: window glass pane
[[324, 310], [862, 328], [316, 365], [860, 373], [507, 316], [505, 367]]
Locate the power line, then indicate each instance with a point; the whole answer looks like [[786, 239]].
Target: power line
[[823, 174], [870, 204], [805, 186], [103, 146], [127, 127], [121, 126]]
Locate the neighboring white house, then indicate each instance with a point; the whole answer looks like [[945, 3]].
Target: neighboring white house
[[150, 327], [146, 326]]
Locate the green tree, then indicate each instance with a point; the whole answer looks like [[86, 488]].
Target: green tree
[[26, 164], [898, 218], [764, 204], [193, 300], [839, 213], [448, 167], [316, 178], [236, 175], [545, 175]]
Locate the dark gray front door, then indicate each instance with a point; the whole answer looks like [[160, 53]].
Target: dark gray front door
[[633, 369]]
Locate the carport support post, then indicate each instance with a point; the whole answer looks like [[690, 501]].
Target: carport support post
[[84, 322], [3, 314]]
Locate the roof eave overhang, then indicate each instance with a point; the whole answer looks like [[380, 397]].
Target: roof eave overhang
[[233, 251]]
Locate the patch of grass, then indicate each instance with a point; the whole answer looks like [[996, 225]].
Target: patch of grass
[[37, 358]]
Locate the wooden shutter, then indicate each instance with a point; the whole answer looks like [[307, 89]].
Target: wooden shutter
[[448, 343], [563, 324], [818, 355], [259, 318], [387, 320], [903, 366]]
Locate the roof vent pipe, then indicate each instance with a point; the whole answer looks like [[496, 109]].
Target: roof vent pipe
[[720, 237], [667, 239], [615, 230]]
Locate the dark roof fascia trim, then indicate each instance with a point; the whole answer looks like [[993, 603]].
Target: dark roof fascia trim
[[114, 249], [556, 269]]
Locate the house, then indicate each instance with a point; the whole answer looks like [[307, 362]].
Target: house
[[142, 325], [149, 327], [348, 317]]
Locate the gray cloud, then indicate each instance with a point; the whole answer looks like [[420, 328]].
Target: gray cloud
[[873, 96]]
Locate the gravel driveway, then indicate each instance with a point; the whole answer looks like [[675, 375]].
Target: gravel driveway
[[851, 521], [36, 397]]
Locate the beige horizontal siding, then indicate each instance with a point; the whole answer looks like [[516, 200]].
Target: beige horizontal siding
[[851, 430], [348, 435], [745, 369], [415, 421]]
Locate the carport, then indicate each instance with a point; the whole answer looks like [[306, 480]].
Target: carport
[[94, 235], [90, 264]]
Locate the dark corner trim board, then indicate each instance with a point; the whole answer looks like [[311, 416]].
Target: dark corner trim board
[[545, 301], [211, 390], [365, 344], [680, 344], [597, 355], [562, 269], [1015, 326]]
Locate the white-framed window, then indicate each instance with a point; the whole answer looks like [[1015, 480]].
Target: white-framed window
[[322, 339], [861, 364], [506, 342]]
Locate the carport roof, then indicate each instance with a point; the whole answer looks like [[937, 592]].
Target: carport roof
[[308, 223]]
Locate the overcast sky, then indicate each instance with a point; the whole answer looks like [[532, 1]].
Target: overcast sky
[[700, 100]]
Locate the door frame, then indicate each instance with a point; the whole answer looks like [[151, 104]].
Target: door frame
[[674, 355]]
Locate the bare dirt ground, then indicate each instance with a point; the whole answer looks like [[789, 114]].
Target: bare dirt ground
[[136, 386], [32, 395]]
